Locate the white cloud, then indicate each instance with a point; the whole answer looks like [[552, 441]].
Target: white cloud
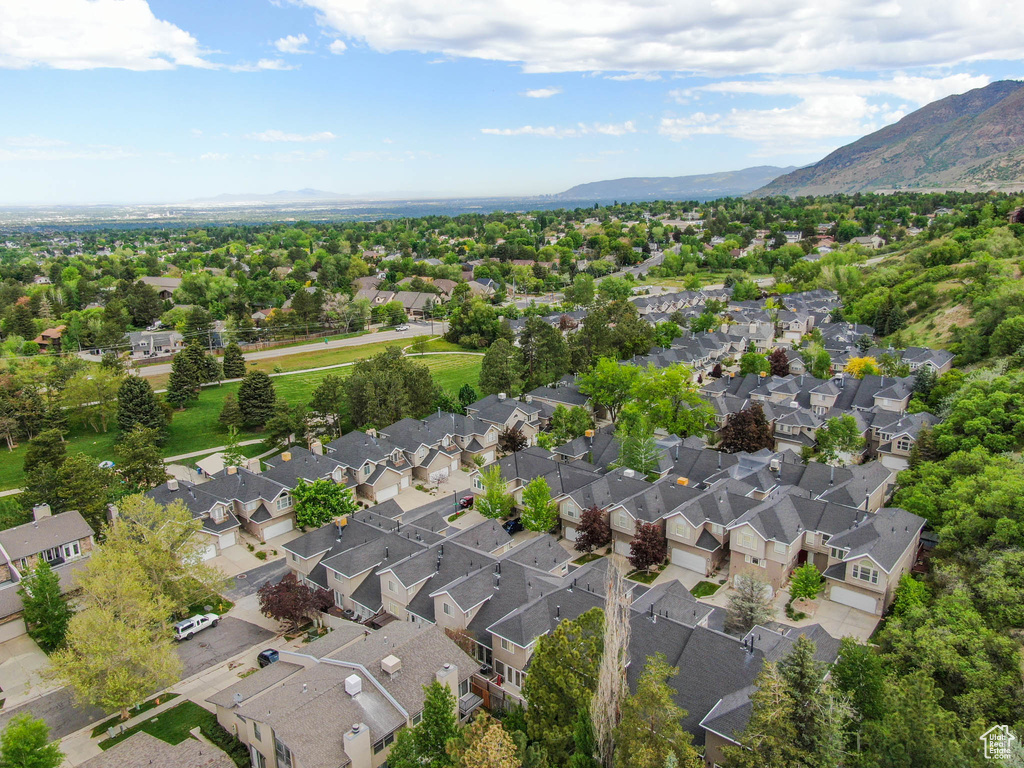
[[274, 65], [197, 131], [648, 76], [65, 152], [275, 135], [384, 156], [720, 38], [211, 156], [85, 34], [541, 93], [293, 156], [292, 44], [338, 47], [554, 132], [827, 108], [34, 142]]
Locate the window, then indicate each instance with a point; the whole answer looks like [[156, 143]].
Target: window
[[71, 550], [417, 717], [570, 510], [464, 687], [622, 520], [284, 501], [903, 444], [758, 561], [825, 537], [836, 553], [682, 528], [477, 483], [865, 573], [780, 548], [391, 586], [515, 677], [291, 556], [393, 608], [506, 645], [284, 755], [258, 760], [747, 540], [339, 600], [446, 608], [251, 505], [50, 555], [256, 732], [384, 743], [717, 529], [367, 468]]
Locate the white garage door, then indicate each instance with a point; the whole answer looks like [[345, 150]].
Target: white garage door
[[209, 551], [455, 466], [387, 493], [278, 528], [622, 547], [857, 600], [689, 560], [227, 540], [405, 482], [12, 629], [488, 457], [570, 533]]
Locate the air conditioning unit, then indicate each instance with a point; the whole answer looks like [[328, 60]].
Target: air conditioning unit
[[353, 685], [390, 664]]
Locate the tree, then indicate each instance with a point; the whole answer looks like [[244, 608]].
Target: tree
[[163, 542], [612, 689], [819, 361], [291, 601], [544, 352], [321, 501], [539, 512], [805, 583], [747, 430], [651, 728], [484, 743], [839, 435], [754, 362], [779, 362], [593, 531], [233, 456], [584, 740], [425, 744], [256, 398], [78, 483], [859, 367], [327, 404], [820, 715], [669, 397], [233, 362], [502, 369], [47, 448], [118, 648], [388, 387], [858, 673], [563, 675], [609, 385], [230, 414], [25, 743], [139, 461], [749, 605], [769, 740], [495, 501], [137, 404], [92, 397], [648, 547], [183, 384], [467, 396], [638, 450], [46, 611], [286, 424], [511, 440], [569, 423]]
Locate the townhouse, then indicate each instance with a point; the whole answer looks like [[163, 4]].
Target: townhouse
[[509, 413], [379, 469], [63, 541]]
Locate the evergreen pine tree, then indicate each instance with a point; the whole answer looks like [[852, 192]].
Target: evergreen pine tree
[[230, 413], [467, 396], [137, 404], [584, 740], [183, 385], [139, 461], [256, 399], [46, 611], [234, 362]]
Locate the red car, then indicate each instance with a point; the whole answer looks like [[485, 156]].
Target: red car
[[465, 501]]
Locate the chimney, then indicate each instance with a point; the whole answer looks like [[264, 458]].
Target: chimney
[[390, 664], [172, 484], [353, 685], [286, 456], [232, 470], [316, 447], [357, 746], [371, 432], [449, 675], [39, 511], [253, 465]]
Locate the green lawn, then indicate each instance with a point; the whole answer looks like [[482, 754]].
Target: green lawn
[[644, 577], [100, 729], [587, 558], [171, 725], [704, 589], [196, 428]]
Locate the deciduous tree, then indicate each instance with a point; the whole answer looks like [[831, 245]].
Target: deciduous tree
[[648, 548], [539, 512], [484, 743], [495, 501], [839, 435], [593, 531], [859, 367], [511, 440], [779, 362], [806, 582], [25, 743], [609, 385], [321, 501], [747, 430], [291, 601]]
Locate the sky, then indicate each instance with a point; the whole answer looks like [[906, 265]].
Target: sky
[[108, 101]]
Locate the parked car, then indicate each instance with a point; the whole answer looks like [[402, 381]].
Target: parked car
[[513, 527], [465, 502], [267, 657], [402, 328], [185, 628]]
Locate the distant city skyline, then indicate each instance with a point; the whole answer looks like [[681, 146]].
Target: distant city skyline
[[127, 101]]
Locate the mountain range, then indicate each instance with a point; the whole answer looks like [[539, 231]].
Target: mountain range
[[971, 141], [705, 186]]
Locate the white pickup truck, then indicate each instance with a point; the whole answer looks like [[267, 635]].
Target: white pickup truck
[[185, 628]]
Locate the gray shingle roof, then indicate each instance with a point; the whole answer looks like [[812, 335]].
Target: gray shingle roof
[[48, 532]]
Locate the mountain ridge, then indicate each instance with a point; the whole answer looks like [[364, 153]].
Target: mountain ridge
[[969, 141], [704, 185]]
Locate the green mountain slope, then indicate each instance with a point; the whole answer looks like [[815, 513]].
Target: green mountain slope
[[970, 141], [700, 187]]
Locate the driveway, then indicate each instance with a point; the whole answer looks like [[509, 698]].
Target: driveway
[[218, 644], [59, 712], [249, 582], [22, 663]]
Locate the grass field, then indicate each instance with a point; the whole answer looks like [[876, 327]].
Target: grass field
[[172, 725], [196, 428]]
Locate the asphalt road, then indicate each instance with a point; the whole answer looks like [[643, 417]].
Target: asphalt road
[[248, 583], [207, 649], [415, 329]]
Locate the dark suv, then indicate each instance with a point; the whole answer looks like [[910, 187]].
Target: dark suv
[[267, 657]]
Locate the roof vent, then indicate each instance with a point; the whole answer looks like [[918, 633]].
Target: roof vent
[[172, 484], [683, 481], [353, 685], [628, 473], [39, 511], [286, 456], [502, 395], [390, 664], [232, 470]]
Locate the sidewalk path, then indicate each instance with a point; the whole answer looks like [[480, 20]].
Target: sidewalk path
[[204, 452]]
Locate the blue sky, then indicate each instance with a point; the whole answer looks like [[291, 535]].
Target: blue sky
[[168, 100]]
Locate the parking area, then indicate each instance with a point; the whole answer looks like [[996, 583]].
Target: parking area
[[22, 663], [58, 710], [248, 583], [458, 483], [218, 644]]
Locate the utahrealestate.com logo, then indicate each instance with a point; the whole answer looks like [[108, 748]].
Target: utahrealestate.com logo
[[997, 741]]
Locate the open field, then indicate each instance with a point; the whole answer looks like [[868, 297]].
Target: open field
[[197, 427]]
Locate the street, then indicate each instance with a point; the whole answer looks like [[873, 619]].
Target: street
[[248, 583]]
